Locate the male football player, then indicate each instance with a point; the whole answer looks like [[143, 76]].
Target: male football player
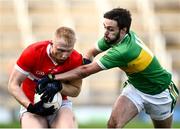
[[149, 86], [36, 61]]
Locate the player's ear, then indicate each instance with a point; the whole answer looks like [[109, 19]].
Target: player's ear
[[124, 30]]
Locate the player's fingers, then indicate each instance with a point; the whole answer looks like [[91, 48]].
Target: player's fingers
[[40, 103], [41, 90], [45, 100], [44, 97], [45, 93], [51, 98], [50, 109], [37, 90]]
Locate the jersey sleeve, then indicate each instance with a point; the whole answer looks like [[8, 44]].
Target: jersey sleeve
[[101, 45], [26, 59], [111, 59]]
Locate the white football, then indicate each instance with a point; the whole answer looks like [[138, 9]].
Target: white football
[[56, 102]]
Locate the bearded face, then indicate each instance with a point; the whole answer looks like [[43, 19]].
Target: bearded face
[[112, 32]]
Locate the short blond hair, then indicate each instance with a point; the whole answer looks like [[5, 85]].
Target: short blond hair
[[67, 33]]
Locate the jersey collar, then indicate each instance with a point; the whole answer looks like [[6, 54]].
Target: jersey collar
[[123, 39], [48, 53]]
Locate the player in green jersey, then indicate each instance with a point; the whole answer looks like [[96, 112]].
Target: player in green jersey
[[149, 86]]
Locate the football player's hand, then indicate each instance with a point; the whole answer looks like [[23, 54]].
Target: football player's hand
[[38, 109], [43, 82], [50, 90], [86, 61]]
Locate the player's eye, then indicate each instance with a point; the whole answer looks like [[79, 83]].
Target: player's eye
[[110, 29], [59, 50]]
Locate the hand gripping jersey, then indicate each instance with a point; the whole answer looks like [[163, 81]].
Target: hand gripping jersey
[[35, 62], [137, 61]]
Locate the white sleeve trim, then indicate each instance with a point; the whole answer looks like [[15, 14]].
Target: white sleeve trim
[[100, 64], [21, 70], [97, 47]]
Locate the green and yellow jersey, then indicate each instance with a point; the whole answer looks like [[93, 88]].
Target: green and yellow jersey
[[137, 61]]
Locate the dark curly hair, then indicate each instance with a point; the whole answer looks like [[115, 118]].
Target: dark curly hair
[[122, 16]]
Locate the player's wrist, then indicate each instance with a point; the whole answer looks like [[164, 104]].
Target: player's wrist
[[30, 107], [60, 86], [26, 104], [86, 61], [51, 77]]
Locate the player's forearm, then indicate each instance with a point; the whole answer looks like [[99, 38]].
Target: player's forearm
[[78, 73], [18, 94]]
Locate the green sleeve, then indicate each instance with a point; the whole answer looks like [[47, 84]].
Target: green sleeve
[[111, 59]]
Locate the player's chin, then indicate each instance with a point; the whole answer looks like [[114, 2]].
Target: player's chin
[[107, 39], [60, 61]]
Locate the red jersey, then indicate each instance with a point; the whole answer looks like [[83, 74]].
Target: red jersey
[[35, 62]]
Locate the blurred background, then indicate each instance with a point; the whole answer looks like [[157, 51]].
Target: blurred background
[[23, 22]]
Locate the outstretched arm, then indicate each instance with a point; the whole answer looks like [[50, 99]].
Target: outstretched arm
[[82, 71], [79, 72]]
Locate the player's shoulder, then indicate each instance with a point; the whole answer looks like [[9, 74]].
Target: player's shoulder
[[76, 56], [74, 52], [39, 45], [36, 48]]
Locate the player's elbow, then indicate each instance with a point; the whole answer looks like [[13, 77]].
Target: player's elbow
[[76, 92], [83, 72], [11, 87], [72, 88]]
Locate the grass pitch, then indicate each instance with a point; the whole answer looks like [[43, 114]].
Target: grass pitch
[[98, 124]]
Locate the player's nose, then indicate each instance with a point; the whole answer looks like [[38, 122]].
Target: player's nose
[[64, 56]]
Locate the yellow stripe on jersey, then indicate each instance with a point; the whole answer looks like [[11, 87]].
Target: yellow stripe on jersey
[[140, 63]]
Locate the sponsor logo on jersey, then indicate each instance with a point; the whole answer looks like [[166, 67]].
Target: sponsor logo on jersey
[[40, 73]]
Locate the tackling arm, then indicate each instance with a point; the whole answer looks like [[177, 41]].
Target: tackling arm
[[14, 87], [79, 72]]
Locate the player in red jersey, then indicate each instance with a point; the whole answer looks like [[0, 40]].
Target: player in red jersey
[[36, 61]]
